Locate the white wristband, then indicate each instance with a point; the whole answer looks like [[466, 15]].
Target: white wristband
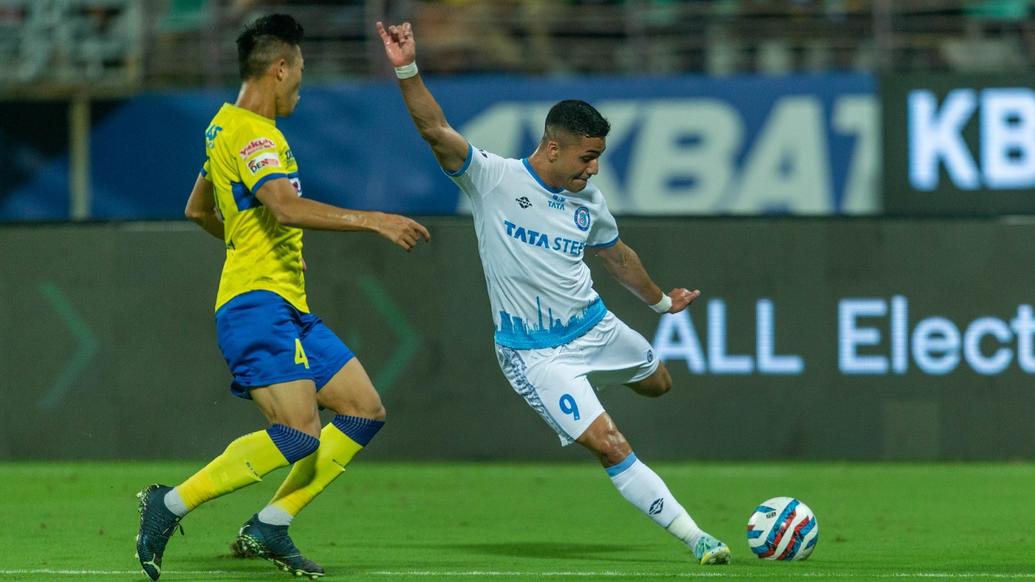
[[406, 71], [664, 305]]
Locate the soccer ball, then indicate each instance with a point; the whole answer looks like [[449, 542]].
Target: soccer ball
[[782, 528]]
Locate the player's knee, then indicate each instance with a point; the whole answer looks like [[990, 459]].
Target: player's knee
[[656, 385], [655, 388], [664, 382], [612, 448], [371, 407], [661, 382], [376, 412], [371, 410], [310, 426], [614, 455]]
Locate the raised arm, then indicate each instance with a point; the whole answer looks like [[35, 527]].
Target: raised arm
[[624, 265], [450, 148], [201, 208], [292, 210]]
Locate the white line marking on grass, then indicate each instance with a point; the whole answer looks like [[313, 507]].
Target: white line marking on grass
[[731, 574], [55, 572], [605, 574], [534, 574]]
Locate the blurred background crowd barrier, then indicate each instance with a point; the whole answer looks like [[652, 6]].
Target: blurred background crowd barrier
[[155, 44]]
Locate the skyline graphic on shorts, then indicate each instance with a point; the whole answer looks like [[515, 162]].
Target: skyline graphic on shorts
[[514, 331]]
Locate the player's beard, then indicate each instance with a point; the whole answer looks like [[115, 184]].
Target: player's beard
[[578, 182], [293, 103]]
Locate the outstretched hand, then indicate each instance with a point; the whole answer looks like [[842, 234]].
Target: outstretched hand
[[402, 231], [399, 45], [682, 298]]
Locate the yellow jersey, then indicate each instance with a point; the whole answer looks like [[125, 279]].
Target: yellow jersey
[[244, 151]]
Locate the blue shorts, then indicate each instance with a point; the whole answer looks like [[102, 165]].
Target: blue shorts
[[265, 340]]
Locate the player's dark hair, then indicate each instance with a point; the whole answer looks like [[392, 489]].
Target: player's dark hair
[[264, 41], [576, 118]]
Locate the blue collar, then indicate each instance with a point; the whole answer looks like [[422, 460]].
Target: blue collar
[[528, 167]]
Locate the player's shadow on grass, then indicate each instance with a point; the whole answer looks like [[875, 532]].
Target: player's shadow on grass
[[540, 550]]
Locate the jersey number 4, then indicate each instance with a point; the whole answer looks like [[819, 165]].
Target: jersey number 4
[[300, 357]]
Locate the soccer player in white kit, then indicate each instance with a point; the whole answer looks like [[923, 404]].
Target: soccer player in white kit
[[555, 340]]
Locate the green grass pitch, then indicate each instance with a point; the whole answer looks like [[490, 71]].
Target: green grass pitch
[[488, 521]]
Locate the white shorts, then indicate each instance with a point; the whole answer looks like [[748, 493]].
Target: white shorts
[[559, 382]]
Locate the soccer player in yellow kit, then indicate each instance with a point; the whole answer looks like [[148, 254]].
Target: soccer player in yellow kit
[[282, 356]]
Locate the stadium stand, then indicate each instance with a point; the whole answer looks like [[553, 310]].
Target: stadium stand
[[129, 45]]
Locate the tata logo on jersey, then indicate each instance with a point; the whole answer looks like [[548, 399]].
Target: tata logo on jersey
[[535, 238], [1004, 155]]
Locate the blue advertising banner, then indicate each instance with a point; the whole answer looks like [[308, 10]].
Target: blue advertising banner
[[689, 145]]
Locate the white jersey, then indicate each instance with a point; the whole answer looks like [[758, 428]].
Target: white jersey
[[531, 239]]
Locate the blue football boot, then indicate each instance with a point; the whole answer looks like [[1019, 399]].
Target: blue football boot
[[273, 543], [157, 524], [709, 551]]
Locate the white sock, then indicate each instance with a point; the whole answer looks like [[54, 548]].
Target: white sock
[[684, 528], [274, 515], [175, 503], [642, 487]]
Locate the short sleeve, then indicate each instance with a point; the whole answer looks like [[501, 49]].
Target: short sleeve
[[259, 157], [603, 231], [481, 173], [204, 171]]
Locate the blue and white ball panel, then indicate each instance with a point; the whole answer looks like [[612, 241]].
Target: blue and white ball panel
[[782, 528]]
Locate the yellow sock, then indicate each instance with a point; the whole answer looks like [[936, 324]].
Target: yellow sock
[[311, 475], [244, 462]]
